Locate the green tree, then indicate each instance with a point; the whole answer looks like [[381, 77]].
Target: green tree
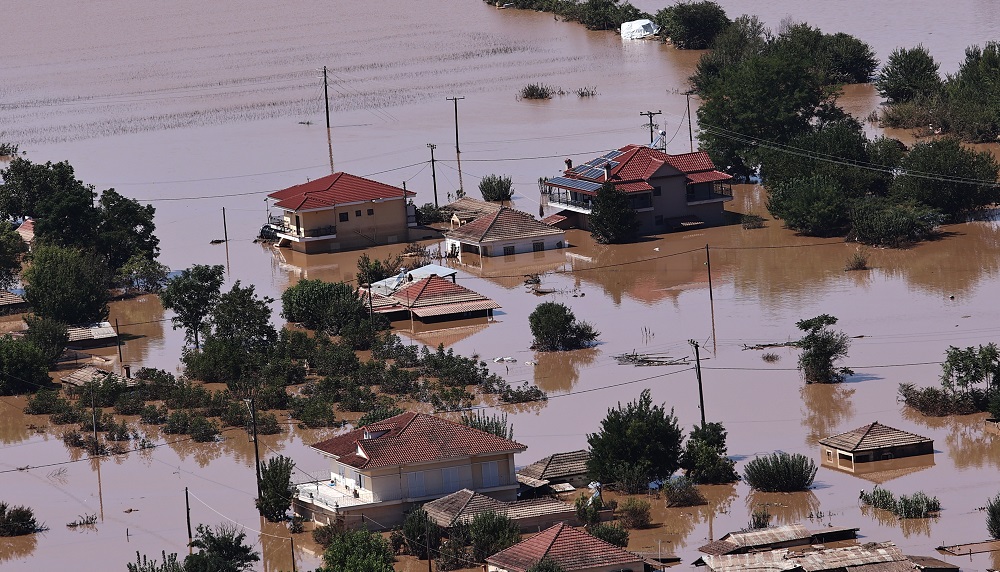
[[546, 565], [881, 222], [496, 188], [816, 206], [492, 532], [276, 488], [611, 533], [68, 218], [555, 328], [971, 97], [612, 219], [220, 549], [423, 535], [12, 250], [48, 335], [142, 275], [993, 517], [965, 368], [243, 317], [67, 285], [323, 306], [143, 564], [125, 230], [380, 413], [17, 521], [372, 270], [822, 346], [963, 180], [692, 25], [588, 509], [908, 75], [607, 14], [635, 434], [191, 295], [496, 424], [25, 184], [704, 458], [358, 551]]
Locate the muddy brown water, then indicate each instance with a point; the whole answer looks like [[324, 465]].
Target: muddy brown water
[[189, 100]]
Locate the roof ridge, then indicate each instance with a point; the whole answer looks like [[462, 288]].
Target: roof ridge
[[465, 504], [496, 217], [546, 467], [423, 287], [868, 430], [562, 526]]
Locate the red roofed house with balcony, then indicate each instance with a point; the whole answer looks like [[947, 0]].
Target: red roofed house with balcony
[[668, 192], [380, 470], [573, 550], [341, 212]]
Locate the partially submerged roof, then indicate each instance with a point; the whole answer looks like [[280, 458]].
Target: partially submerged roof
[[437, 296], [391, 284], [97, 331], [462, 506], [27, 230], [554, 467], [89, 373], [336, 189], [735, 542], [871, 437], [412, 438], [504, 224], [469, 208], [572, 549], [931, 563], [849, 557]]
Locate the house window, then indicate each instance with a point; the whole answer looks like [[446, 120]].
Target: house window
[[829, 455], [415, 484], [658, 220], [491, 475], [357, 213], [537, 246], [559, 244], [690, 193], [371, 212], [656, 191], [343, 217], [508, 251], [451, 479], [361, 481]]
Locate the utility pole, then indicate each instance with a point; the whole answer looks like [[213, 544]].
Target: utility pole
[[687, 95], [650, 114], [434, 176], [697, 372], [187, 505], [256, 450], [708, 264], [326, 97], [458, 153], [93, 405]]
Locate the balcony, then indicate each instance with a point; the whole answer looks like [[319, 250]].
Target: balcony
[[703, 194], [565, 202], [277, 223]]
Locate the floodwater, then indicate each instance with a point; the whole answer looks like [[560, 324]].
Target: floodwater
[[197, 107]]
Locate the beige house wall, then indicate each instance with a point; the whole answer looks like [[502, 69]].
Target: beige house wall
[[385, 225]]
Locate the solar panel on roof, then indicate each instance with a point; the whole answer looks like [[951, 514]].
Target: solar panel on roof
[[611, 155], [575, 184]]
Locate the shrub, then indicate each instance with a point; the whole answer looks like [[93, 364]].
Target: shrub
[[17, 521], [611, 533], [759, 518], [524, 393], [130, 403], [537, 91], [634, 513], [324, 534], [177, 423], [153, 415], [588, 509], [814, 206], [692, 25], [858, 260], [704, 457], [681, 491], [615, 443], [880, 222], [496, 424], [937, 402], [421, 533], [202, 429], [496, 188], [908, 74], [751, 221], [491, 532], [313, 412], [770, 357], [919, 505], [46, 402], [780, 472], [428, 214], [546, 565], [822, 346], [612, 218], [267, 424], [358, 551], [993, 517], [586, 91], [555, 328]]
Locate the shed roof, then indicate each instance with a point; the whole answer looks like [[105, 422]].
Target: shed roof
[[335, 189], [462, 506], [412, 438], [87, 373], [437, 296], [871, 437], [557, 466], [572, 549], [504, 224], [808, 561], [97, 331]]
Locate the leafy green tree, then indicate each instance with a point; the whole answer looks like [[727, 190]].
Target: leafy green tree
[[48, 335], [125, 230], [745, 38], [142, 275], [881, 222], [372, 270], [607, 14], [240, 315], [220, 549], [67, 285], [639, 434], [908, 75], [546, 565], [555, 328], [588, 509], [276, 488], [12, 250], [822, 346], [421, 534], [692, 25], [26, 184], [704, 458], [68, 218], [191, 295], [993, 517], [816, 206], [496, 188], [17, 521], [612, 219], [492, 532], [971, 99], [358, 551], [611, 533], [380, 413], [323, 306], [965, 368], [496, 424], [963, 180]]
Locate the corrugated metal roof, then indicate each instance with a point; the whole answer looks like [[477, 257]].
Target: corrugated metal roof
[[873, 436], [809, 561], [89, 373], [99, 331]]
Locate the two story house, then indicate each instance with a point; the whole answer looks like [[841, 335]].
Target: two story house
[[378, 471], [668, 192], [341, 212]]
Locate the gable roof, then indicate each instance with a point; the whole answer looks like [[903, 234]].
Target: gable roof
[[412, 438], [437, 296], [873, 436], [631, 167], [557, 466], [462, 506], [572, 549], [389, 285], [468, 207], [335, 189], [504, 224], [27, 230]]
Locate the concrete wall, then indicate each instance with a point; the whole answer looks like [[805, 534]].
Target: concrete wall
[[521, 246], [385, 225]]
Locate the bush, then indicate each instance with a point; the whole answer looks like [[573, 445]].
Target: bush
[[267, 424], [780, 472], [993, 517], [616, 443], [358, 551], [821, 346], [46, 402], [704, 457], [919, 505], [858, 260], [324, 534], [908, 75], [537, 91], [153, 415], [429, 214], [17, 521], [421, 533], [177, 423], [378, 414], [524, 393], [692, 25], [681, 491], [546, 565], [814, 206], [202, 429], [612, 218], [880, 222], [555, 328], [491, 532], [759, 518], [634, 513], [751, 221], [936, 402], [610, 533], [496, 424], [48, 335], [588, 509], [496, 188], [313, 412]]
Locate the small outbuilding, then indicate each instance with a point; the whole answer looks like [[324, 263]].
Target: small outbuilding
[[784, 536], [468, 209], [504, 233], [851, 451], [572, 549], [568, 469], [461, 507]]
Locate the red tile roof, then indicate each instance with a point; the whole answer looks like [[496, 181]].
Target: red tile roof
[[504, 224], [335, 189], [638, 163], [708, 177], [436, 296], [572, 549], [413, 438]]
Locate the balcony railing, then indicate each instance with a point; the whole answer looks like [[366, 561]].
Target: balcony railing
[[576, 205], [278, 224], [340, 494]]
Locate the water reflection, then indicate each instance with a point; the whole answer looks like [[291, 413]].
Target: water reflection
[[908, 526], [18, 547], [680, 522], [15, 426], [785, 508], [967, 444], [558, 372], [826, 406]]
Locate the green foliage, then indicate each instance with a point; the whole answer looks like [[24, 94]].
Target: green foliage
[[606, 14], [323, 306], [23, 367], [588, 509], [46, 402], [759, 518], [881, 222], [951, 197], [751, 221], [536, 91], [612, 218], [919, 505], [993, 517], [48, 335], [908, 75], [276, 488], [378, 414], [143, 564], [325, 534], [141, 274], [428, 214], [938, 402], [636, 433], [125, 230], [780, 472], [420, 532], [17, 521], [611, 533], [964, 368], [371, 271], [455, 553], [681, 491], [704, 458], [191, 295], [8, 149], [496, 424], [822, 346], [816, 206], [634, 513], [692, 25], [546, 565], [555, 328], [491, 532], [313, 411], [357, 551], [12, 250], [496, 187], [67, 285], [220, 549]]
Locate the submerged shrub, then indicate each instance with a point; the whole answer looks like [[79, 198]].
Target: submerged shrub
[[610, 533], [993, 517], [634, 513], [780, 472], [17, 521], [759, 518], [537, 91], [857, 261], [919, 505], [683, 492], [751, 221]]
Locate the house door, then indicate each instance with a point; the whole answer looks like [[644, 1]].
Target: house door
[[298, 225], [415, 484]]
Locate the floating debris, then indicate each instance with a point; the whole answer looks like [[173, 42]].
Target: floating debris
[[638, 359], [772, 345]]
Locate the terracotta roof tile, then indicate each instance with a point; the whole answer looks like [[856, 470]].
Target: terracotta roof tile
[[462, 506], [708, 177], [413, 438], [436, 296], [873, 436], [335, 189], [504, 224], [558, 466], [572, 549]]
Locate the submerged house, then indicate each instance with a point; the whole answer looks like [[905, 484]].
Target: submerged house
[[773, 537], [531, 515], [430, 300], [668, 192], [468, 209], [380, 470], [559, 472], [340, 212], [859, 450], [572, 549], [504, 233]]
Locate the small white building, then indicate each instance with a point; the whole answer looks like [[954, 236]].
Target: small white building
[[504, 233]]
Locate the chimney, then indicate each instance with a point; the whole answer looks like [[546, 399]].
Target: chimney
[[569, 164], [607, 173]]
